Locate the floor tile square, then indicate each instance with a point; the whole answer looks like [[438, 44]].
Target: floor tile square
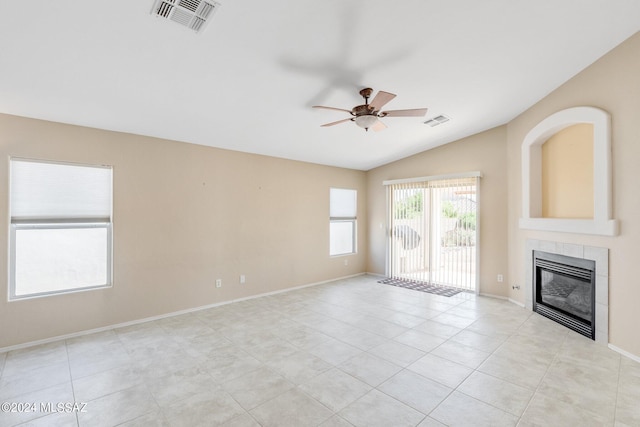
[[106, 382], [438, 329], [256, 387], [444, 371], [38, 378], [478, 341], [544, 411], [420, 340], [590, 387], [203, 409], [58, 393], [395, 352], [118, 407], [513, 370], [291, 409], [335, 389], [461, 410], [430, 422], [376, 409], [228, 366], [181, 385], [501, 394], [415, 390], [244, 420], [155, 419], [370, 369], [334, 351], [453, 320], [336, 421], [460, 353], [300, 367]]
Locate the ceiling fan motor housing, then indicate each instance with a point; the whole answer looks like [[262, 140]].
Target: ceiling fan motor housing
[[361, 110]]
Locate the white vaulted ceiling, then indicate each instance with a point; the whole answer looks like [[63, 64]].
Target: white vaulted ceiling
[[247, 81]]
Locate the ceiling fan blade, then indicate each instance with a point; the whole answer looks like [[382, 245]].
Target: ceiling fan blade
[[335, 123], [380, 100], [332, 108], [378, 126], [416, 112]]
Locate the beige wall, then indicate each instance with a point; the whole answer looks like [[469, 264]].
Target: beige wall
[[611, 84], [484, 152], [184, 215], [567, 173]]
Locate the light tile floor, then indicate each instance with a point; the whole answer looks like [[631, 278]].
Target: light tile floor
[[351, 352]]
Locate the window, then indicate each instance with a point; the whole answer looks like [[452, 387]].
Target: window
[[60, 227], [342, 221]]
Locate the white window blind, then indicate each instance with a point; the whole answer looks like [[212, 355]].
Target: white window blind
[[342, 203], [47, 191]]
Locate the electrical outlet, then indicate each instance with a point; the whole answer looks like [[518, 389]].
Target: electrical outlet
[[500, 278], [242, 278], [218, 283], [346, 262]]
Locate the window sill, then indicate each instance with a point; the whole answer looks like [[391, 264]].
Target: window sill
[[58, 293]]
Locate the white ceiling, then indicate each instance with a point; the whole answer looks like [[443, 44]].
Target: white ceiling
[[247, 82]]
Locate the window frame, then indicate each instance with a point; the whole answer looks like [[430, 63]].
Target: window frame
[[345, 219], [59, 223]]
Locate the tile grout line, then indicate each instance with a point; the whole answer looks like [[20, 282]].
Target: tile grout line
[[73, 390], [615, 411]]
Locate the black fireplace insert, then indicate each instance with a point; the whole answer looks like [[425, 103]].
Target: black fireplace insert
[[564, 291]]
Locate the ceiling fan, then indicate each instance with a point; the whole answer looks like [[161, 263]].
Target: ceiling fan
[[368, 114]]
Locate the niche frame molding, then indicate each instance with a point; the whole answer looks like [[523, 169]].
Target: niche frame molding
[[602, 222]]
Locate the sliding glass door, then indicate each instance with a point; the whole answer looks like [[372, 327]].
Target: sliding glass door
[[433, 230]]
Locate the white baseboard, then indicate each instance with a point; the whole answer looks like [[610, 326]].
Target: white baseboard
[[375, 274], [624, 353], [492, 296], [521, 304], [166, 315]]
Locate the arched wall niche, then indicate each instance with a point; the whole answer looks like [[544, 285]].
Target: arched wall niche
[[602, 222]]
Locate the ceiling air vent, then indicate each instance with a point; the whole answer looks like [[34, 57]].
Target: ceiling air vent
[[437, 120], [193, 14]]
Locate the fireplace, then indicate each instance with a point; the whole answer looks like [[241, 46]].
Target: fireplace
[[564, 291], [599, 255]]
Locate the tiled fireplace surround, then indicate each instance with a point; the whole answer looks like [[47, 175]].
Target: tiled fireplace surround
[[601, 258]]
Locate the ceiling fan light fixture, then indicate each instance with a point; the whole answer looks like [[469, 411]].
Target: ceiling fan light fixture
[[366, 121]]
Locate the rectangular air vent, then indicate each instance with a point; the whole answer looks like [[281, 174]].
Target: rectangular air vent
[[438, 120], [193, 14]]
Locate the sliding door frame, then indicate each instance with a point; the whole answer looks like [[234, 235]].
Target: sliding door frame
[[389, 215]]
